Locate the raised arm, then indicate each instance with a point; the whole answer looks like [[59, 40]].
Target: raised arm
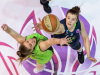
[[20, 39], [86, 42], [53, 41]]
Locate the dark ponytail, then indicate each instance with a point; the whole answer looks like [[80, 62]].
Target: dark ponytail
[[23, 53], [75, 10], [20, 54]]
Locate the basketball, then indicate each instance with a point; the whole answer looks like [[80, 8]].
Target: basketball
[[50, 23]]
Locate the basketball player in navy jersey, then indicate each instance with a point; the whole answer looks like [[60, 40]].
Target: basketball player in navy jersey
[[72, 27]]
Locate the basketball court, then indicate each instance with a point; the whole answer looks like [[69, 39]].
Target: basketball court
[[20, 14]]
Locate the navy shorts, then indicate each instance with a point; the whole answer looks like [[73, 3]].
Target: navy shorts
[[74, 45]]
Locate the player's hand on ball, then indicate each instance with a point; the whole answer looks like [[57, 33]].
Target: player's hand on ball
[[5, 27], [38, 26], [65, 41]]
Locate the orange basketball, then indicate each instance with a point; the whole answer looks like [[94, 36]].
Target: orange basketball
[[50, 23]]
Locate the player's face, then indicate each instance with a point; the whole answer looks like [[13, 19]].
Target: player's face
[[71, 19], [30, 43]]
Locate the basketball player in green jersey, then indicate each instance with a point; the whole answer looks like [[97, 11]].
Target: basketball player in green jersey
[[36, 46]]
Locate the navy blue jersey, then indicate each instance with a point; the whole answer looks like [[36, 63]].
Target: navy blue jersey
[[74, 35]]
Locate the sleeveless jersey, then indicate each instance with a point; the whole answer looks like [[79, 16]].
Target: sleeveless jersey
[[74, 35], [42, 57]]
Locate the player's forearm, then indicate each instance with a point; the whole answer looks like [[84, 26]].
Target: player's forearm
[[46, 44], [14, 34], [54, 41], [87, 46]]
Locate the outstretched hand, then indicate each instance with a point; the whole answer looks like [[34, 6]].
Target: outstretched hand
[[92, 59], [38, 26], [65, 41]]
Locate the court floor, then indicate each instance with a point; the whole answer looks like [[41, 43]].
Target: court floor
[[20, 14]]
